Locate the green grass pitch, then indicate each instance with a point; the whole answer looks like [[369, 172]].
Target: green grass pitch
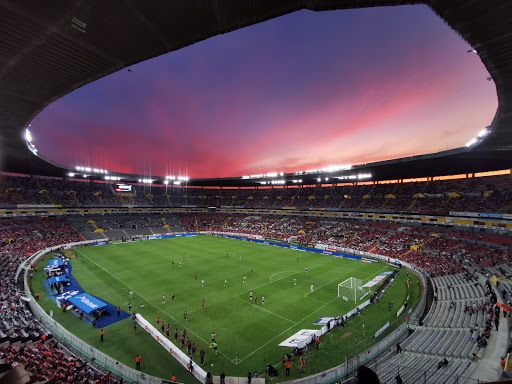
[[248, 335]]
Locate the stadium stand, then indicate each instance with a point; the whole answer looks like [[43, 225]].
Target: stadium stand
[[445, 253], [491, 194]]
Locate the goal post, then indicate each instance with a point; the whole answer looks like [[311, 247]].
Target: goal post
[[349, 289]]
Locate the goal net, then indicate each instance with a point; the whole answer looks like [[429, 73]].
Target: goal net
[[350, 289]]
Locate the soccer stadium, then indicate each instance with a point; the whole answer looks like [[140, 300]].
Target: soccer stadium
[[242, 261]]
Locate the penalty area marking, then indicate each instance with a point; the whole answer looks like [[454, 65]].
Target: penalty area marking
[[263, 309], [280, 273]]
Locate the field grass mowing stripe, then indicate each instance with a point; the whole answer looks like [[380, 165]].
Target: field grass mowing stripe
[[263, 309], [154, 305]]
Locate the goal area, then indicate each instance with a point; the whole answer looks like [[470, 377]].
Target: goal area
[[350, 289]]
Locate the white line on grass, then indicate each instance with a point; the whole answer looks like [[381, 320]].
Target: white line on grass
[[277, 273], [155, 305], [266, 310], [293, 273], [115, 290]]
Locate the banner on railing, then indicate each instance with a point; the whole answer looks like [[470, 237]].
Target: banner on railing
[[184, 360], [379, 332]]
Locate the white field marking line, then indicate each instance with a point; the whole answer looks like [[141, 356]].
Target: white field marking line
[[307, 294], [115, 290], [335, 280], [263, 309], [316, 310], [155, 305], [263, 285], [278, 274], [228, 253], [286, 330], [318, 301]]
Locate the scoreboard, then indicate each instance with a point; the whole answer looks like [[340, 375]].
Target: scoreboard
[[121, 187]]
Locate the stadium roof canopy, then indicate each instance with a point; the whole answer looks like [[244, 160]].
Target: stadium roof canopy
[[49, 49]]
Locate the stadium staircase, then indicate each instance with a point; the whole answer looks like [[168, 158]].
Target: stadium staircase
[[372, 248], [75, 198], [14, 191], [413, 203], [100, 199], [97, 229]]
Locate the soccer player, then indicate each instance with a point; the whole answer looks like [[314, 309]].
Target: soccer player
[[118, 311], [172, 264], [240, 258], [263, 300], [167, 330], [214, 345], [195, 276], [225, 283], [137, 361], [163, 299], [202, 283], [172, 297], [306, 269], [158, 322], [130, 306], [180, 264], [131, 295], [185, 316], [311, 291], [163, 326], [294, 281], [202, 304], [101, 334], [250, 296], [297, 259], [245, 278], [176, 335], [213, 336], [256, 300]]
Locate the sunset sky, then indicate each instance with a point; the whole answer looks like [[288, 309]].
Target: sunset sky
[[303, 91]]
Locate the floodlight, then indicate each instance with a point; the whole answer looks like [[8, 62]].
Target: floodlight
[[471, 142], [88, 169], [28, 135], [71, 174], [166, 182], [483, 132]]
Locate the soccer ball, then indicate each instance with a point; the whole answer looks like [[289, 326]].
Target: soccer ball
[[212, 365]]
